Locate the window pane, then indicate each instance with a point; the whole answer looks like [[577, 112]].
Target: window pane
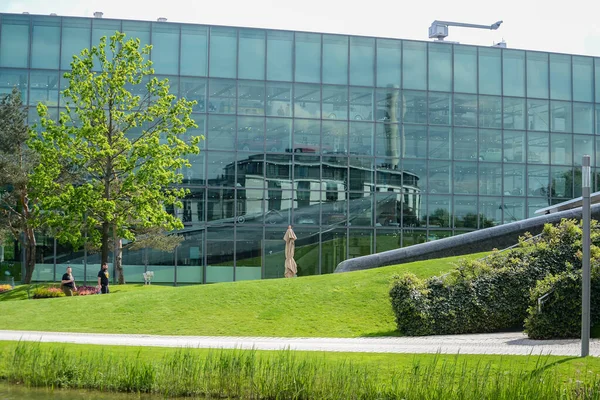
[[75, 37], [561, 183], [562, 149], [14, 44], [440, 67], [583, 78], [14, 78], [440, 108], [334, 137], [538, 146], [514, 209], [222, 98], [251, 62], [465, 144], [415, 139], [537, 75], [489, 71], [194, 89], [490, 211], [465, 110], [440, 143], [414, 65], [583, 118], [597, 78], [415, 107], [465, 69], [278, 135], [307, 136], [514, 179], [308, 57], [335, 102], [307, 101], [490, 145], [582, 145], [538, 181], [194, 50], [251, 135], [513, 63], [361, 138], [560, 112], [514, 113], [465, 178], [279, 99], [490, 112], [490, 179], [361, 104], [44, 88], [251, 98], [560, 77], [439, 209], [387, 105], [439, 177], [165, 48], [335, 59], [362, 58], [101, 28], [537, 115], [223, 52], [514, 146], [221, 133], [279, 55], [388, 141], [597, 119], [45, 44], [389, 54], [136, 30]]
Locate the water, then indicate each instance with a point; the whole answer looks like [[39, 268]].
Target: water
[[14, 392]]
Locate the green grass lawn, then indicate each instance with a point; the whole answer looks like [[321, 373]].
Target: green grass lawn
[[351, 304]]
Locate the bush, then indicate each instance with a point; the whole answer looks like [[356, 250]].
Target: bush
[[560, 313], [491, 294], [85, 291], [47, 292], [5, 288]]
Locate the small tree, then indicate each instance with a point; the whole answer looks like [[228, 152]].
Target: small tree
[[129, 146], [17, 216]]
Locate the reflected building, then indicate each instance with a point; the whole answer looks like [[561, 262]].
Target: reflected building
[[362, 144]]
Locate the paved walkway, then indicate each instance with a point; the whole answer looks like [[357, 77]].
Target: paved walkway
[[494, 343]]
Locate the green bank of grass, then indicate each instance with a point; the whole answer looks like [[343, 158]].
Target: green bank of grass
[[301, 375], [351, 304]]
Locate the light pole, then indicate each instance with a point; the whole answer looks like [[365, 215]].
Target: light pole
[[585, 262]]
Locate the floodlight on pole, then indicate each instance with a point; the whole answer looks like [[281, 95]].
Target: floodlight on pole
[[585, 262]]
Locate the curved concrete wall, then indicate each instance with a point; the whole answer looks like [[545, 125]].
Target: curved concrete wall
[[498, 237]]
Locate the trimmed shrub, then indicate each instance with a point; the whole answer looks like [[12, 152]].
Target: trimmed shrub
[[490, 294], [85, 291], [5, 288], [47, 292]]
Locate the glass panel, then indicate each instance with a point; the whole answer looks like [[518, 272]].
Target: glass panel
[[194, 50], [465, 69], [45, 44], [248, 254], [14, 78], [335, 102], [101, 28], [513, 64], [334, 137], [465, 178], [14, 43], [490, 112], [219, 255], [388, 141], [582, 145], [194, 89], [220, 168], [333, 249], [388, 103], [414, 65], [415, 139], [361, 138], [513, 210], [361, 176], [165, 48], [307, 101], [514, 113], [279, 99], [195, 174], [465, 110], [490, 179], [440, 67], [597, 119], [465, 212], [389, 54], [388, 203], [308, 57], [251, 134], [190, 258], [223, 52], [251, 98], [75, 37], [440, 143], [583, 78], [222, 97], [440, 108], [538, 147], [307, 136], [279, 55], [465, 144], [536, 204], [514, 146], [362, 59], [361, 104], [414, 180], [439, 177], [562, 182], [537, 75], [439, 209], [135, 30], [560, 112], [490, 145], [415, 107], [335, 59], [221, 133], [360, 213], [251, 61], [562, 149], [537, 115], [583, 118], [193, 207], [360, 243], [388, 239], [44, 88], [597, 78], [250, 181], [490, 212], [278, 135], [411, 237], [490, 77], [514, 179], [560, 77]]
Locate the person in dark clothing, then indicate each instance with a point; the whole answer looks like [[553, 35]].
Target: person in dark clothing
[[67, 284], [103, 279]]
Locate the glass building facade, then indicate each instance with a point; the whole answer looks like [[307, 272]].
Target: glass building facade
[[362, 144]]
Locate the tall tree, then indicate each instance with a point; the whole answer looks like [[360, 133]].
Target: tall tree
[[17, 217], [125, 131]]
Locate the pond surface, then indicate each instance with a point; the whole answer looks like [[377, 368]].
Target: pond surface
[[15, 392]]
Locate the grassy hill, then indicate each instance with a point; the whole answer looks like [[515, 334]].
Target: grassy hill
[[351, 304]]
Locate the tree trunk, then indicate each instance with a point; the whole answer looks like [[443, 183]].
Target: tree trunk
[[105, 243], [29, 250], [119, 259]]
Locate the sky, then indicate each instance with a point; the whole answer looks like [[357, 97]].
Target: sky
[[558, 26]]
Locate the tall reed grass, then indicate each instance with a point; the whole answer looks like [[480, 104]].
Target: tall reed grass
[[245, 374]]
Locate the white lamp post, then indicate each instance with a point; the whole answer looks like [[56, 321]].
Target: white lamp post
[[585, 262]]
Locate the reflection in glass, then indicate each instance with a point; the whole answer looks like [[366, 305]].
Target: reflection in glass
[[251, 98], [490, 145], [251, 58], [538, 146], [362, 57], [491, 78], [537, 115], [219, 254], [411, 237], [440, 67], [361, 210], [537, 75], [192, 212], [513, 66], [440, 173], [190, 258], [440, 143], [440, 108], [194, 174], [75, 38], [583, 78], [45, 43], [415, 140], [333, 249], [388, 141], [223, 52], [513, 209], [465, 110], [250, 198], [534, 204], [560, 114], [361, 104], [165, 48], [308, 57], [561, 151], [278, 205], [415, 107], [279, 55], [14, 41], [194, 89], [490, 179], [465, 178], [279, 99], [307, 136], [561, 182], [278, 135], [582, 145], [465, 69], [538, 181], [334, 137], [10, 78], [220, 168], [361, 176], [251, 134], [307, 101], [465, 144], [360, 242], [361, 138], [221, 133], [514, 180], [194, 50], [514, 113], [465, 215], [583, 117], [514, 146], [414, 65], [388, 105], [389, 55], [490, 211], [105, 28], [597, 81], [490, 112], [43, 87], [439, 209], [414, 182], [335, 59], [335, 102], [307, 251], [560, 77], [222, 96], [388, 239], [220, 206], [248, 254]]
